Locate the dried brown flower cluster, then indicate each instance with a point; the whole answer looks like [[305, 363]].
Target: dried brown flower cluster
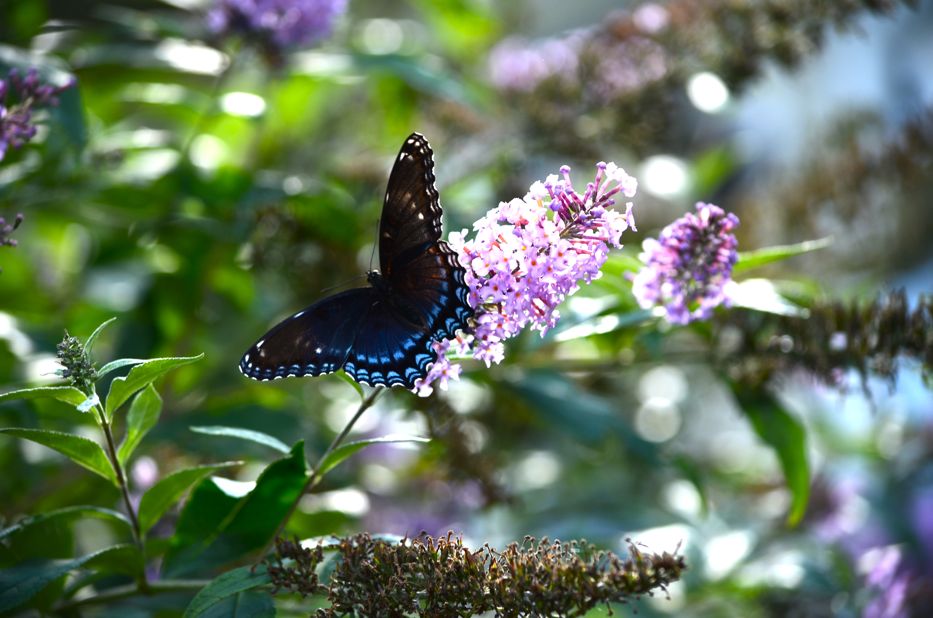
[[833, 338], [441, 578]]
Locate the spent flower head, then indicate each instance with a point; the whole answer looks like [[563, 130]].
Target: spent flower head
[[428, 576], [278, 25], [687, 270], [77, 367], [527, 255], [26, 93]]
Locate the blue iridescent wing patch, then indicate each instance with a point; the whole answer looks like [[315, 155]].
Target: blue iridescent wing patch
[[380, 335]]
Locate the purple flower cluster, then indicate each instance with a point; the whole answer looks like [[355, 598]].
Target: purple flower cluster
[[517, 65], [278, 24], [688, 269], [527, 255], [27, 94], [592, 65]]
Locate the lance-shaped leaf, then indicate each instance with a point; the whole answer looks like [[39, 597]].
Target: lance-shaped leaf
[[226, 586], [240, 433], [161, 496], [65, 515], [21, 583], [66, 394], [143, 414], [139, 377], [786, 435], [339, 454], [79, 449], [768, 255]]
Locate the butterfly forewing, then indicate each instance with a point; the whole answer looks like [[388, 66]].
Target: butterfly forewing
[[411, 213]]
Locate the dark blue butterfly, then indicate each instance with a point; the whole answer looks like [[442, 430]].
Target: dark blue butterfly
[[382, 334]]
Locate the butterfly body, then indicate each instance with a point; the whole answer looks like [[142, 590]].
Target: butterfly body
[[381, 334]]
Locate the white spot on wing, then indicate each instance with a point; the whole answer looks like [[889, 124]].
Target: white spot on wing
[[259, 345], [299, 314]]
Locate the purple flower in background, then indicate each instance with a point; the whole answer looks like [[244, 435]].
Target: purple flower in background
[[278, 24], [689, 267], [527, 255], [517, 65], [624, 66], [26, 93], [6, 229], [890, 582]]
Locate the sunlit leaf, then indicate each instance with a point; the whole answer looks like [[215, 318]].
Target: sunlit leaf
[[122, 388], [118, 364], [346, 450], [161, 496], [89, 344], [244, 434], [786, 435], [143, 415], [66, 394], [216, 527], [768, 255]]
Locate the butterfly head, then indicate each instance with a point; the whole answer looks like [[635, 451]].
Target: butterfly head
[[376, 280]]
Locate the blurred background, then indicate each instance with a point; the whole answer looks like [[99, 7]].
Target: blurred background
[[200, 184]]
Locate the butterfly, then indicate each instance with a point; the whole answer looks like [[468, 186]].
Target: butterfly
[[381, 334]]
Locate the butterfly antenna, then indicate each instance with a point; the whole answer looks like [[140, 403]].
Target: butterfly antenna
[[342, 283]]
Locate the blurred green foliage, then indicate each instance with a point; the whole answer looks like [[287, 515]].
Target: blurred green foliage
[[199, 195]]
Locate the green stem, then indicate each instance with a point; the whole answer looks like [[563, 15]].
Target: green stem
[[124, 490], [130, 590], [314, 478]]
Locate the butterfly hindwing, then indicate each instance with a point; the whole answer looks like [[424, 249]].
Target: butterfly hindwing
[[314, 341]]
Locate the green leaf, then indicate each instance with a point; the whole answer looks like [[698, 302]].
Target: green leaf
[[67, 394], [768, 255], [762, 295], [168, 490], [143, 415], [339, 454], [118, 364], [356, 385], [591, 418], [90, 340], [21, 583], [218, 525], [247, 604], [81, 450], [225, 586], [64, 515], [786, 435], [244, 434], [141, 375]]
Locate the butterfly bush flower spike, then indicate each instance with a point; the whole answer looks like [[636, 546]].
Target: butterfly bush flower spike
[[688, 268], [20, 95], [527, 255], [279, 25]]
